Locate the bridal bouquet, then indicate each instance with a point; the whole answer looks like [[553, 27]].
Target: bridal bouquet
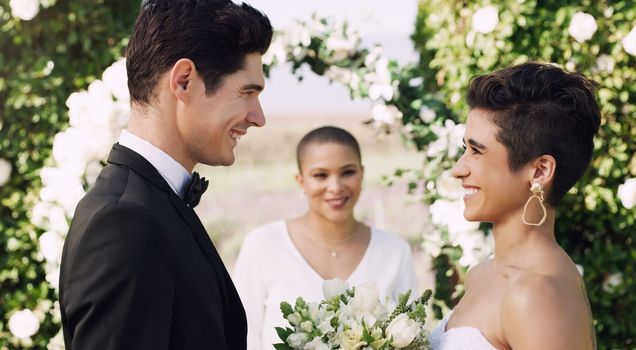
[[352, 319]]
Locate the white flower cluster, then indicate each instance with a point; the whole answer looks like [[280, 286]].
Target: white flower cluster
[[583, 26], [355, 318], [24, 324], [337, 45], [26, 10], [96, 118], [627, 193], [5, 171]]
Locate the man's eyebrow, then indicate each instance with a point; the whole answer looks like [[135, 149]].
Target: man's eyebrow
[[255, 87], [476, 144]]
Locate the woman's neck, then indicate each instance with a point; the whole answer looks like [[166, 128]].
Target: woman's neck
[[329, 232], [515, 241]]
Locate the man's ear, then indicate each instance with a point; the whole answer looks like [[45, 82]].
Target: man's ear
[[181, 74], [543, 170]]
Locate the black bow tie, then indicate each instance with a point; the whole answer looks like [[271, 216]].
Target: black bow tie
[[195, 190]]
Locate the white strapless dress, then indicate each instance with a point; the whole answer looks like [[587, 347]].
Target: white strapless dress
[[460, 338]]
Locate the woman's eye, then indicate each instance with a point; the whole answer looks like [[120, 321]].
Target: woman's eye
[[349, 172], [475, 150], [320, 175]]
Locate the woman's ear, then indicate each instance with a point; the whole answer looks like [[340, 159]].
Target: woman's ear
[[181, 74], [299, 180], [543, 170]]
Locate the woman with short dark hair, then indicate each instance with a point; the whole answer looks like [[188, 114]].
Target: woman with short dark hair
[[528, 139]]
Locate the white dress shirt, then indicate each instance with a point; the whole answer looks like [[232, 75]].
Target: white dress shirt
[[174, 173]]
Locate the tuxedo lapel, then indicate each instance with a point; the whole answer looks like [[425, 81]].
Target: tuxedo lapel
[[124, 156]]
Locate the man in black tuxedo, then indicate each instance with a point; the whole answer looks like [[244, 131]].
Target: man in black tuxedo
[[138, 268]]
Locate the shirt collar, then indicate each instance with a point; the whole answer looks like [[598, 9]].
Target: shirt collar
[[174, 173]]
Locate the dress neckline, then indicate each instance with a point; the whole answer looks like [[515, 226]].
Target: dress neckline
[[463, 329], [299, 255]]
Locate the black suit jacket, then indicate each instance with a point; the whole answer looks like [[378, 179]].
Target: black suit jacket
[[139, 270]]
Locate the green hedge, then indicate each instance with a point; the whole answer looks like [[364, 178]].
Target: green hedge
[[42, 61], [592, 225]]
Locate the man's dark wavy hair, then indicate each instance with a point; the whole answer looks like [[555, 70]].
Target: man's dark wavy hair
[[215, 34], [541, 109]]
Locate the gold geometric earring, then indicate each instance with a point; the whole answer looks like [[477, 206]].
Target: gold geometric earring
[[537, 192]]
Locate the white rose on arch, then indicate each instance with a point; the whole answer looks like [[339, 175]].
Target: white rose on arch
[[627, 193], [25, 10], [485, 20], [5, 171], [582, 26], [23, 324], [629, 42]]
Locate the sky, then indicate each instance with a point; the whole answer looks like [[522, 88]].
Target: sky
[[387, 22]]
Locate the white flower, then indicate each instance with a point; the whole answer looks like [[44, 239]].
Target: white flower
[[276, 52], [333, 287], [402, 330], [51, 244], [449, 139], [298, 35], [350, 338], [5, 171], [53, 277], [23, 324], [449, 187], [341, 75], [25, 10], [629, 42], [297, 340], [450, 214], [340, 47], [427, 114], [627, 193], [306, 326], [605, 63], [612, 281], [57, 342], [294, 318], [316, 344], [485, 19], [366, 297], [582, 26], [385, 115], [116, 78]]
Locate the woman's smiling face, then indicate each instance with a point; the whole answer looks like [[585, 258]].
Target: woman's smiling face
[[331, 177]]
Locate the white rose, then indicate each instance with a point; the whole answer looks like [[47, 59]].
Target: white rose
[[5, 171], [485, 20], [427, 114], [51, 244], [24, 9], [341, 75], [612, 281], [23, 324], [306, 326], [366, 297], [449, 187], [402, 330], [385, 115], [627, 193], [53, 277], [605, 63], [276, 52], [297, 340], [629, 42], [316, 344], [334, 287], [116, 78], [340, 47], [350, 338], [582, 26]]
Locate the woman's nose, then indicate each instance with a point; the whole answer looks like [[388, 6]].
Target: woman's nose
[[460, 169]]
